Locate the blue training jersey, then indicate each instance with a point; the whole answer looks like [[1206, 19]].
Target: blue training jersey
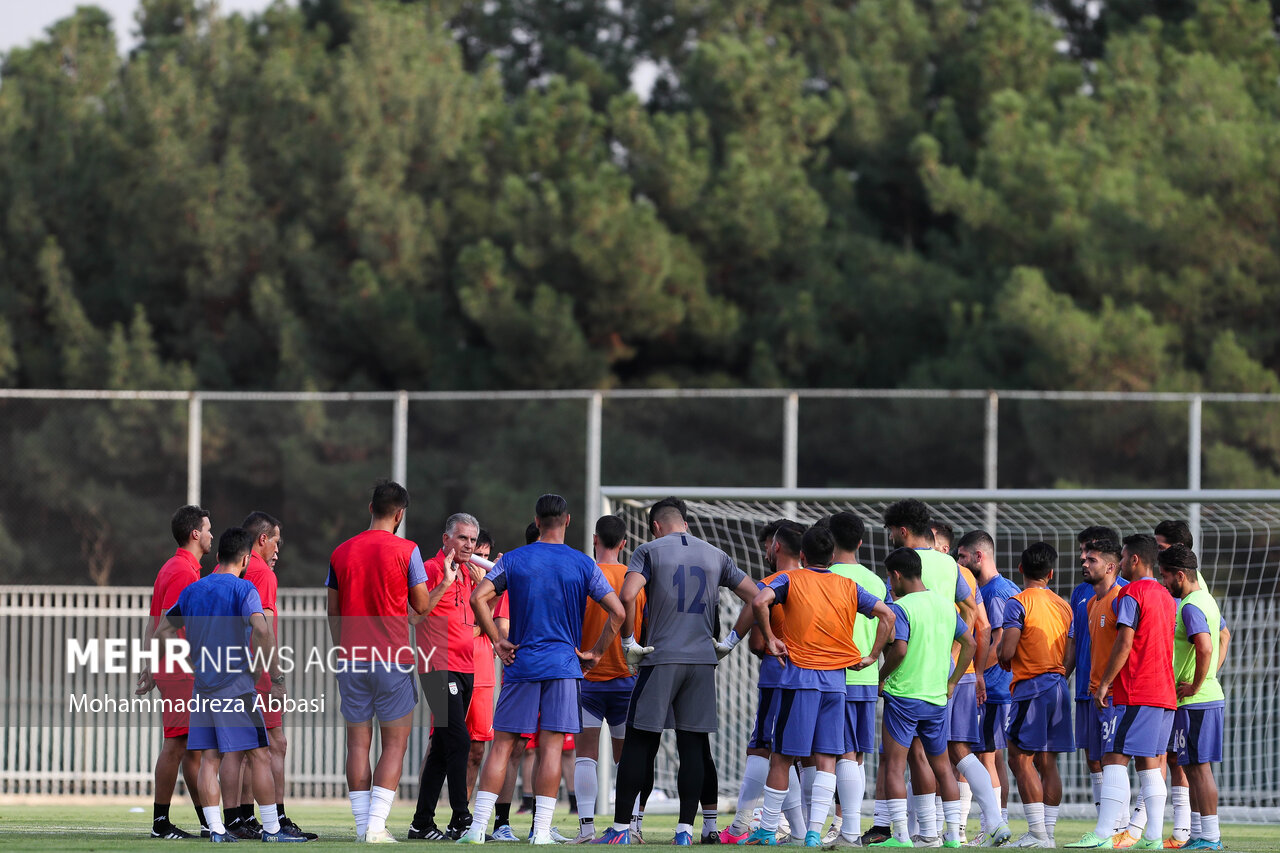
[[995, 593], [547, 588], [216, 611]]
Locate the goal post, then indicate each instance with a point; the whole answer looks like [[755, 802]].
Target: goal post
[[1237, 538]]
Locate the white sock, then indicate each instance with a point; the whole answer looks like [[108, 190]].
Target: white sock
[[213, 819], [966, 801], [771, 812], [1096, 780], [1050, 820], [913, 816], [751, 789], [380, 800], [1114, 799], [1138, 820], [584, 782], [862, 774], [1154, 793], [951, 815], [849, 782], [681, 827], [543, 810], [1196, 825], [939, 816], [793, 805], [360, 810], [1180, 795], [880, 813], [709, 818], [1004, 815], [270, 818], [898, 819], [485, 801], [807, 775], [824, 791], [1035, 818], [1209, 830], [926, 814], [980, 785]]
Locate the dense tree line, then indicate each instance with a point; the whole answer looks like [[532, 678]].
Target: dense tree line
[[354, 194]]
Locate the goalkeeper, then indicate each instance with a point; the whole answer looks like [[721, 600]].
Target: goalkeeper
[[681, 576]]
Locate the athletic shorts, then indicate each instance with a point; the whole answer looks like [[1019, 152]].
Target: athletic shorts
[[687, 689], [233, 726], [1091, 738], [527, 706], [963, 710], [1042, 723], [531, 741], [860, 725], [386, 691], [809, 722], [1198, 734], [607, 701], [177, 691], [993, 719], [1137, 730], [1085, 717], [904, 720], [480, 713], [766, 719]]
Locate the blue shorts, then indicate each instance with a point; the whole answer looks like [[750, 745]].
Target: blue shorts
[[860, 724], [1042, 723], [906, 719], [1085, 717], [607, 701], [766, 719], [1137, 730], [810, 721], [552, 705], [1197, 732], [963, 710], [377, 689], [993, 719], [1091, 739], [230, 725]]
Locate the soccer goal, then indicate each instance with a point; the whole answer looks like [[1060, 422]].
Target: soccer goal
[[1237, 538]]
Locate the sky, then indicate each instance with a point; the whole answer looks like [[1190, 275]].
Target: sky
[[23, 21]]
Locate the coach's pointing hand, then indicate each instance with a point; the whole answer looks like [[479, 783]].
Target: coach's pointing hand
[[450, 571]]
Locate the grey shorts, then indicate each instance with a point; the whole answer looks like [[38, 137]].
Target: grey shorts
[[679, 695]]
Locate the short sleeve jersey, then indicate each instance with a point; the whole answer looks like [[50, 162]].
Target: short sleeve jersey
[[1080, 598], [822, 609], [683, 576], [941, 574], [771, 669], [613, 663], [264, 581], [178, 572], [928, 623], [446, 638], [1044, 620], [995, 595], [547, 587], [372, 573], [864, 631], [980, 623], [1100, 613], [216, 612], [1147, 676]]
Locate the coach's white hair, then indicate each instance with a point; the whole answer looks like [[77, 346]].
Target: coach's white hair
[[460, 518]]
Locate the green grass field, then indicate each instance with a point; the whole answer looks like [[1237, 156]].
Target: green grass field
[[113, 827]]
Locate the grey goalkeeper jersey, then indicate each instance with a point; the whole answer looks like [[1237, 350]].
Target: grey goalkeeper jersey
[[683, 576]]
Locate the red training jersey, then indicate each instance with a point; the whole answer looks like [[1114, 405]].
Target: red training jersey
[[1147, 676], [178, 572], [372, 573], [446, 638], [264, 581]]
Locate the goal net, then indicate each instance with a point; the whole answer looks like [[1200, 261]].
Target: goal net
[[1238, 543]]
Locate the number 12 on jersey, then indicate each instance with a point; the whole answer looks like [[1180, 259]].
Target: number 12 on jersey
[[696, 604]]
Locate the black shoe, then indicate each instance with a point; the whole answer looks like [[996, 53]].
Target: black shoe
[[253, 826], [242, 830], [875, 835], [711, 838], [430, 833], [458, 827], [290, 828], [164, 829]]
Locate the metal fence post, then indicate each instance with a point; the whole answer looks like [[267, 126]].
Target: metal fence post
[[790, 448], [400, 443], [1195, 411], [195, 418], [991, 455], [595, 406]]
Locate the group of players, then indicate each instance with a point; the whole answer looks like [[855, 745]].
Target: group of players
[[971, 665]]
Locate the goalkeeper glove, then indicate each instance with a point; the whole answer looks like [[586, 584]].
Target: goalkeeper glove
[[723, 647], [634, 651]]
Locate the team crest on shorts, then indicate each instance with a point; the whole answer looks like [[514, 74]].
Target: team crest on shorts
[[453, 688]]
